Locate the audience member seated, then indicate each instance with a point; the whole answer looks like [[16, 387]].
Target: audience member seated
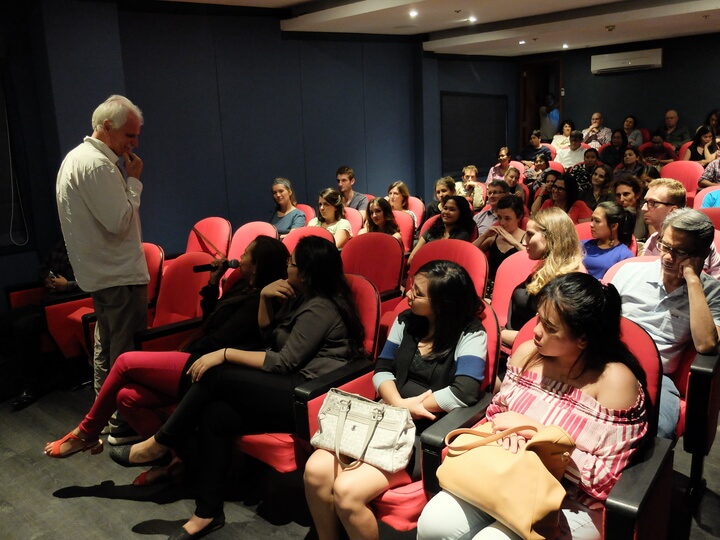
[[634, 165], [672, 132], [398, 196], [381, 219], [330, 216], [497, 189], [27, 324], [535, 173], [141, 382], [596, 134], [674, 300], [512, 179], [600, 187], [711, 174], [286, 216], [703, 148], [632, 133], [456, 221], [665, 195], [551, 239], [612, 155], [562, 139], [564, 195], [466, 188], [658, 153], [346, 180], [528, 154], [443, 188], [611, 227], [541, 189], [712, 120], [502, 240], [582, 172], [433, 362], [572, 154], [497, 171], [577, 374], [317, 330], [629, 195]]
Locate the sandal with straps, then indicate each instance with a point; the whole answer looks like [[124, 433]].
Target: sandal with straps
[[95, 446]]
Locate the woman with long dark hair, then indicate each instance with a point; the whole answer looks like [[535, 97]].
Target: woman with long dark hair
[[456, 221], [316, 330], [703, 148], [612, 228], [600, 187], [576, 373], [612, 155], [564, 194], [433, 362], [381, 218]]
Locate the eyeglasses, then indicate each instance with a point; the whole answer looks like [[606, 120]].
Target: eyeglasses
[[653, 203], [557, 188], [674, 252]]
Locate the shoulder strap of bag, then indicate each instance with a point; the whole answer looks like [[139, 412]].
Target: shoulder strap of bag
[[209, 243], [484, 437]]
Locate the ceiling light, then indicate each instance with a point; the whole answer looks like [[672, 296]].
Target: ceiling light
[[521, 42], [413, 13], [472, 19], [566, 46]]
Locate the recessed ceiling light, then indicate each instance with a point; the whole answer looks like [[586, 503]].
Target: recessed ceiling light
[[566, 46], [472, 19], [413, 13], [521, 42]]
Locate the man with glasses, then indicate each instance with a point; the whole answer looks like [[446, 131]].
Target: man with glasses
[[663, 196], [596, 135], [671, 132], [497, 189], [674, 300]]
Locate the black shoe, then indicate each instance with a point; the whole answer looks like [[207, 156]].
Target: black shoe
[[121, 456], [26, 399], [214, 525]]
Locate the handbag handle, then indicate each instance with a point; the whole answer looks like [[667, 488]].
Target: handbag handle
[[485, 438], [339, 432]]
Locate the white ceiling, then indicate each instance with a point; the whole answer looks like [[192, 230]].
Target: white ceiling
[[544, 25]]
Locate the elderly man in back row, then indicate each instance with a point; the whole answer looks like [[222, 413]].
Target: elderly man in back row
[[597, 134], [674, 300]]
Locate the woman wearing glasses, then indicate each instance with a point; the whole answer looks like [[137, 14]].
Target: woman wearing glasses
[[564, 195]]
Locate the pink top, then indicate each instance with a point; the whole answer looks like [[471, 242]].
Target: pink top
[[579, 210], [605, 439]]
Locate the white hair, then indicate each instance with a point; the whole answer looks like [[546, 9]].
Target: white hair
[[115, 108]]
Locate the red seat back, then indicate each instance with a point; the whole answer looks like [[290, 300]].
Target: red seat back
[[512, 272], [417, 207], [379, 257], [179, 296], [355, 218], [216, 232], [295, 235], [306, 209], [407, 228]]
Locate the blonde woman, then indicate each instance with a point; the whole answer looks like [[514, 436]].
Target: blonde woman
[[286, 215], [551, 239], [398, 196]]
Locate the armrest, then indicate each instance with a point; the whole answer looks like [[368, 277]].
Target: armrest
[[634, 491], [320, 385], [165, 330], [433, 438], [702, 403]]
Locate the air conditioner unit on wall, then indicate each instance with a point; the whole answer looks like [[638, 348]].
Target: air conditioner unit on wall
[[626, 61]]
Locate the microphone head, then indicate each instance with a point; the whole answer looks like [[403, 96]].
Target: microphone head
[[233, 263]]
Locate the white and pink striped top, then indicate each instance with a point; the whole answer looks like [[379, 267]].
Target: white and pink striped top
[[605, 438]]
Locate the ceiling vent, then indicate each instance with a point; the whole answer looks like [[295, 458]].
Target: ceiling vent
[[626, 61]]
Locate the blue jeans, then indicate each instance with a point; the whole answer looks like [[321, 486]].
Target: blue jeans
[[669, 409]]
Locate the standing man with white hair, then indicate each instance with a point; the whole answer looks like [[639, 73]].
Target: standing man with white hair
[[98, 197]]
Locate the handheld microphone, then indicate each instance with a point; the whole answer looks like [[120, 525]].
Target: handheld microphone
[[232, 263]]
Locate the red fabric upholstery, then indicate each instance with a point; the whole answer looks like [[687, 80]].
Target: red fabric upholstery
[[557, 166], [355, 218], [428, 224], [308, 210], [553, 151], [155, 257], [63, 329], [458, 251], [713, 214], [407, 228], [246, 234], [376, 256], [417, 207], [512, 272], [295, 235], [687, 173], [216, 229]]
